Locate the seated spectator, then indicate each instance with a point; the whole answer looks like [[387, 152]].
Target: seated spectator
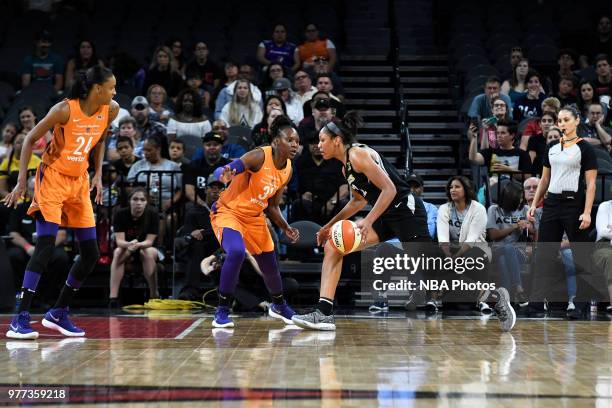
[[566, 92], [27, 120], [146, 127], [314, 47], [602, 257], [246, 71], [593, 130], [536, 148], [488, 127], [322, 190], [230, 74], [157, 97], [9, 168], [177, 153], [321, 66], [282, 87], [136, 229], [603, 83], [43, 65], [229, 150], [194, 82], [84, 58], [481, 104], [322, 113], [516, 55], [461, 228], [532, 128], [127, 128], [600, 43], [303, 87], [202, 241], [273, 73], [164, 71], [168, 188], [587, 94], [278, 49], [176, 46], [197, 172], [227, 93], [338, 107], [260, 133], [507, 225], [505, 158], [125, 149], [566, 64], [242, 110], [22, 229], [530, 104], [9, 131], [188, 119], [208, 69], [516, 86], [325, 84], [416, 186]]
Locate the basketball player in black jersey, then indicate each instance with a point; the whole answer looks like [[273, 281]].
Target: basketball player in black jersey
[[395, 213]]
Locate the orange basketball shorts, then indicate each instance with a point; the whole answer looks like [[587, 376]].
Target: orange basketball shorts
[[254, 230], [62, 199]]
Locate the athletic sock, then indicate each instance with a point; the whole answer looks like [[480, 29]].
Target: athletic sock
[[326, 306], [278, 299], [65, 296]]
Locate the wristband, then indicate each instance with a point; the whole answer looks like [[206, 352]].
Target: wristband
[[237, 165], [27, 247]]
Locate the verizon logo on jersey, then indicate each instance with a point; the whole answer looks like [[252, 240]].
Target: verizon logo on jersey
[[76, 158]]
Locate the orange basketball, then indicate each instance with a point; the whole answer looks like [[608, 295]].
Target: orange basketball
[[345, 236]]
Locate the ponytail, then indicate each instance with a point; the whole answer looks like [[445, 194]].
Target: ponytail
[[347, 127], [85, 80]]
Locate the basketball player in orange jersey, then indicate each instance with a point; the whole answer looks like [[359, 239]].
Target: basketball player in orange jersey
[[257, 182], [395, 213], [61, 192]]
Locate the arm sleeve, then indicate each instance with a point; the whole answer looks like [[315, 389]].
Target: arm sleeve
[[153, 225], [491, 217], [479, 225], [432, 217], [589, 158], [601, 223], [442, 224]]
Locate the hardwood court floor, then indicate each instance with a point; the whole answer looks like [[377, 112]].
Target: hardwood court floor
[[160, 360]]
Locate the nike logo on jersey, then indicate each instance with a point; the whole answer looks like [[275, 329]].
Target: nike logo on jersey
[[76, 120]]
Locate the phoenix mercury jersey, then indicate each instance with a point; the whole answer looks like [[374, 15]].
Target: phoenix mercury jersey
[[361, 184], [249, 192], [68, 151]]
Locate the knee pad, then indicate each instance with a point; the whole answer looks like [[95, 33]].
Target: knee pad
[[43, 252]]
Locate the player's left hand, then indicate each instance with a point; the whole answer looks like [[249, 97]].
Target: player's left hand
[[365, 226], [96, 182], [293, 234]]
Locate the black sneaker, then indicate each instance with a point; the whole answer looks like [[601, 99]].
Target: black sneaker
[[521, 299], [575, 314]]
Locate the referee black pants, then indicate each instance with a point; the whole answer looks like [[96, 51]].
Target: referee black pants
[[548, 278]]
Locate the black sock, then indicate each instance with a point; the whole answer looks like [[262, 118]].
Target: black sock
[[278, 299], [65, 297], [25, 301], [225, 299], [326, 306]]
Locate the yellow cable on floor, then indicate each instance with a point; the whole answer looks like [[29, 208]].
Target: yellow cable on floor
[[172, 304]]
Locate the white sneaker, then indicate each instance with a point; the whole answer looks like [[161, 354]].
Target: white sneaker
[[571, 305], [484, 308]]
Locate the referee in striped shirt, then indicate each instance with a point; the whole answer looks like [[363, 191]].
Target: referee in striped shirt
[[568, 180]]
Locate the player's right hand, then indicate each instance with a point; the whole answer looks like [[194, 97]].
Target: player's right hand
[[12, 198], [323, 235], [531, 214], [227, 175]]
